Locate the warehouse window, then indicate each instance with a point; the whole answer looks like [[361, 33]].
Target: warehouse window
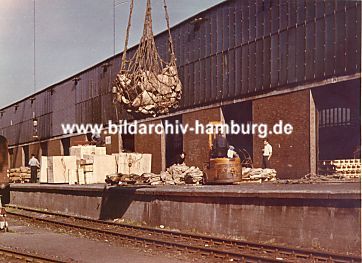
[[333, 117]]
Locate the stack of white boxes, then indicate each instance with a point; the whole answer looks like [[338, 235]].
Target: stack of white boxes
[[97, 167], [133, 163], [58, 169], [90, 164]]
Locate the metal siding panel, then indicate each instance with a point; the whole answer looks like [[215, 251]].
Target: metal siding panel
[[238, 69], [214, 86], [358, 55], [238, 23], [275, 18], [214, 33], [188, 51], [187, 96], [226, 28], [301, 11], [231, 90], [196, 87], [320, 48], [219, 80], [340, 43], [352, 26], [330, 46], [292, 13], [220, 27], [283, 14], [202, 81], [192, 86], [208, 79], [259, 65], [274, 60], [330, 6], [245, 69], [252, 20], [245, 22], [267, 17], [291, 55], [260, 18], [283, 57], [225, 75], [208, 38], [267, 63], [319, 6], [310, 51], [252, 67], [232, 26], [202, 41], [300, 53], [181, 73], [310, 6]]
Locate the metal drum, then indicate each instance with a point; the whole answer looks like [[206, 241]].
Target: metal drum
[[222, 171]]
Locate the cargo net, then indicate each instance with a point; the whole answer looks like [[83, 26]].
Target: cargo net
[[146, 84]]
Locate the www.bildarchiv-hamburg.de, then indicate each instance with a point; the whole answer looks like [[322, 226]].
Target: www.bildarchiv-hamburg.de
[[166, 127]]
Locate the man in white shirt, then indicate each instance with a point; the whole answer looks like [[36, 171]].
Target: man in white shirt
[[267, 153], [34, 164]]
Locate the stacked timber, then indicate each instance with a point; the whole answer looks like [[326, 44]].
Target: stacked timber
[[151, 94], [258, 174], [320, 178], [347, 168], [19, 175]]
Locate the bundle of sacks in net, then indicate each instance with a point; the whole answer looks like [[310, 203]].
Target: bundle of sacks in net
[[176, 174], [148, 93], [258, 174]]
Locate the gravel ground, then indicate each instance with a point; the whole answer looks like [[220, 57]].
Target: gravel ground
[[30, 237]]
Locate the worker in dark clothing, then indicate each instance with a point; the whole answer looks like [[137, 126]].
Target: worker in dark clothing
[[34, 165], [180, 158], [97, 139], [220, 147]]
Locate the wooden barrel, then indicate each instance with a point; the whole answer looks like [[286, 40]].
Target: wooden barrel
[[222, 171]]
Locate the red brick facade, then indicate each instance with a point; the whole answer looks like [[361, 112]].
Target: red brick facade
[[291, 153]]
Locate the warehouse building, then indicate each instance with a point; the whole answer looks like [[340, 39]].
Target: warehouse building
[[257, 61]]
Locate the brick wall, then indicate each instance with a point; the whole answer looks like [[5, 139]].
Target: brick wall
[[154, 144], [17, 158], [291, 153], [35, 149], [115, 143], [76, 140], [196, 146], [55, 148]]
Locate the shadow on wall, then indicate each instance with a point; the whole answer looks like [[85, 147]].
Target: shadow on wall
[[116, 201]]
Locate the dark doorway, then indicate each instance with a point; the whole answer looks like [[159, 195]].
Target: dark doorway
[[26, 155], [174, 140], [66, 146], [128, 142], [339, 120], [240, 113], [44, 148]]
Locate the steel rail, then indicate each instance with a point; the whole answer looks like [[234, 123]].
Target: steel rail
[[213, 245], [27, 256]]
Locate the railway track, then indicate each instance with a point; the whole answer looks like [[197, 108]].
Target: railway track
[[14, 255], [219, 248]]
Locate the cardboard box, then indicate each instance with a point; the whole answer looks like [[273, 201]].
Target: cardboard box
[[60, 168], [43, 169], [103, 165], [134, 163]]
